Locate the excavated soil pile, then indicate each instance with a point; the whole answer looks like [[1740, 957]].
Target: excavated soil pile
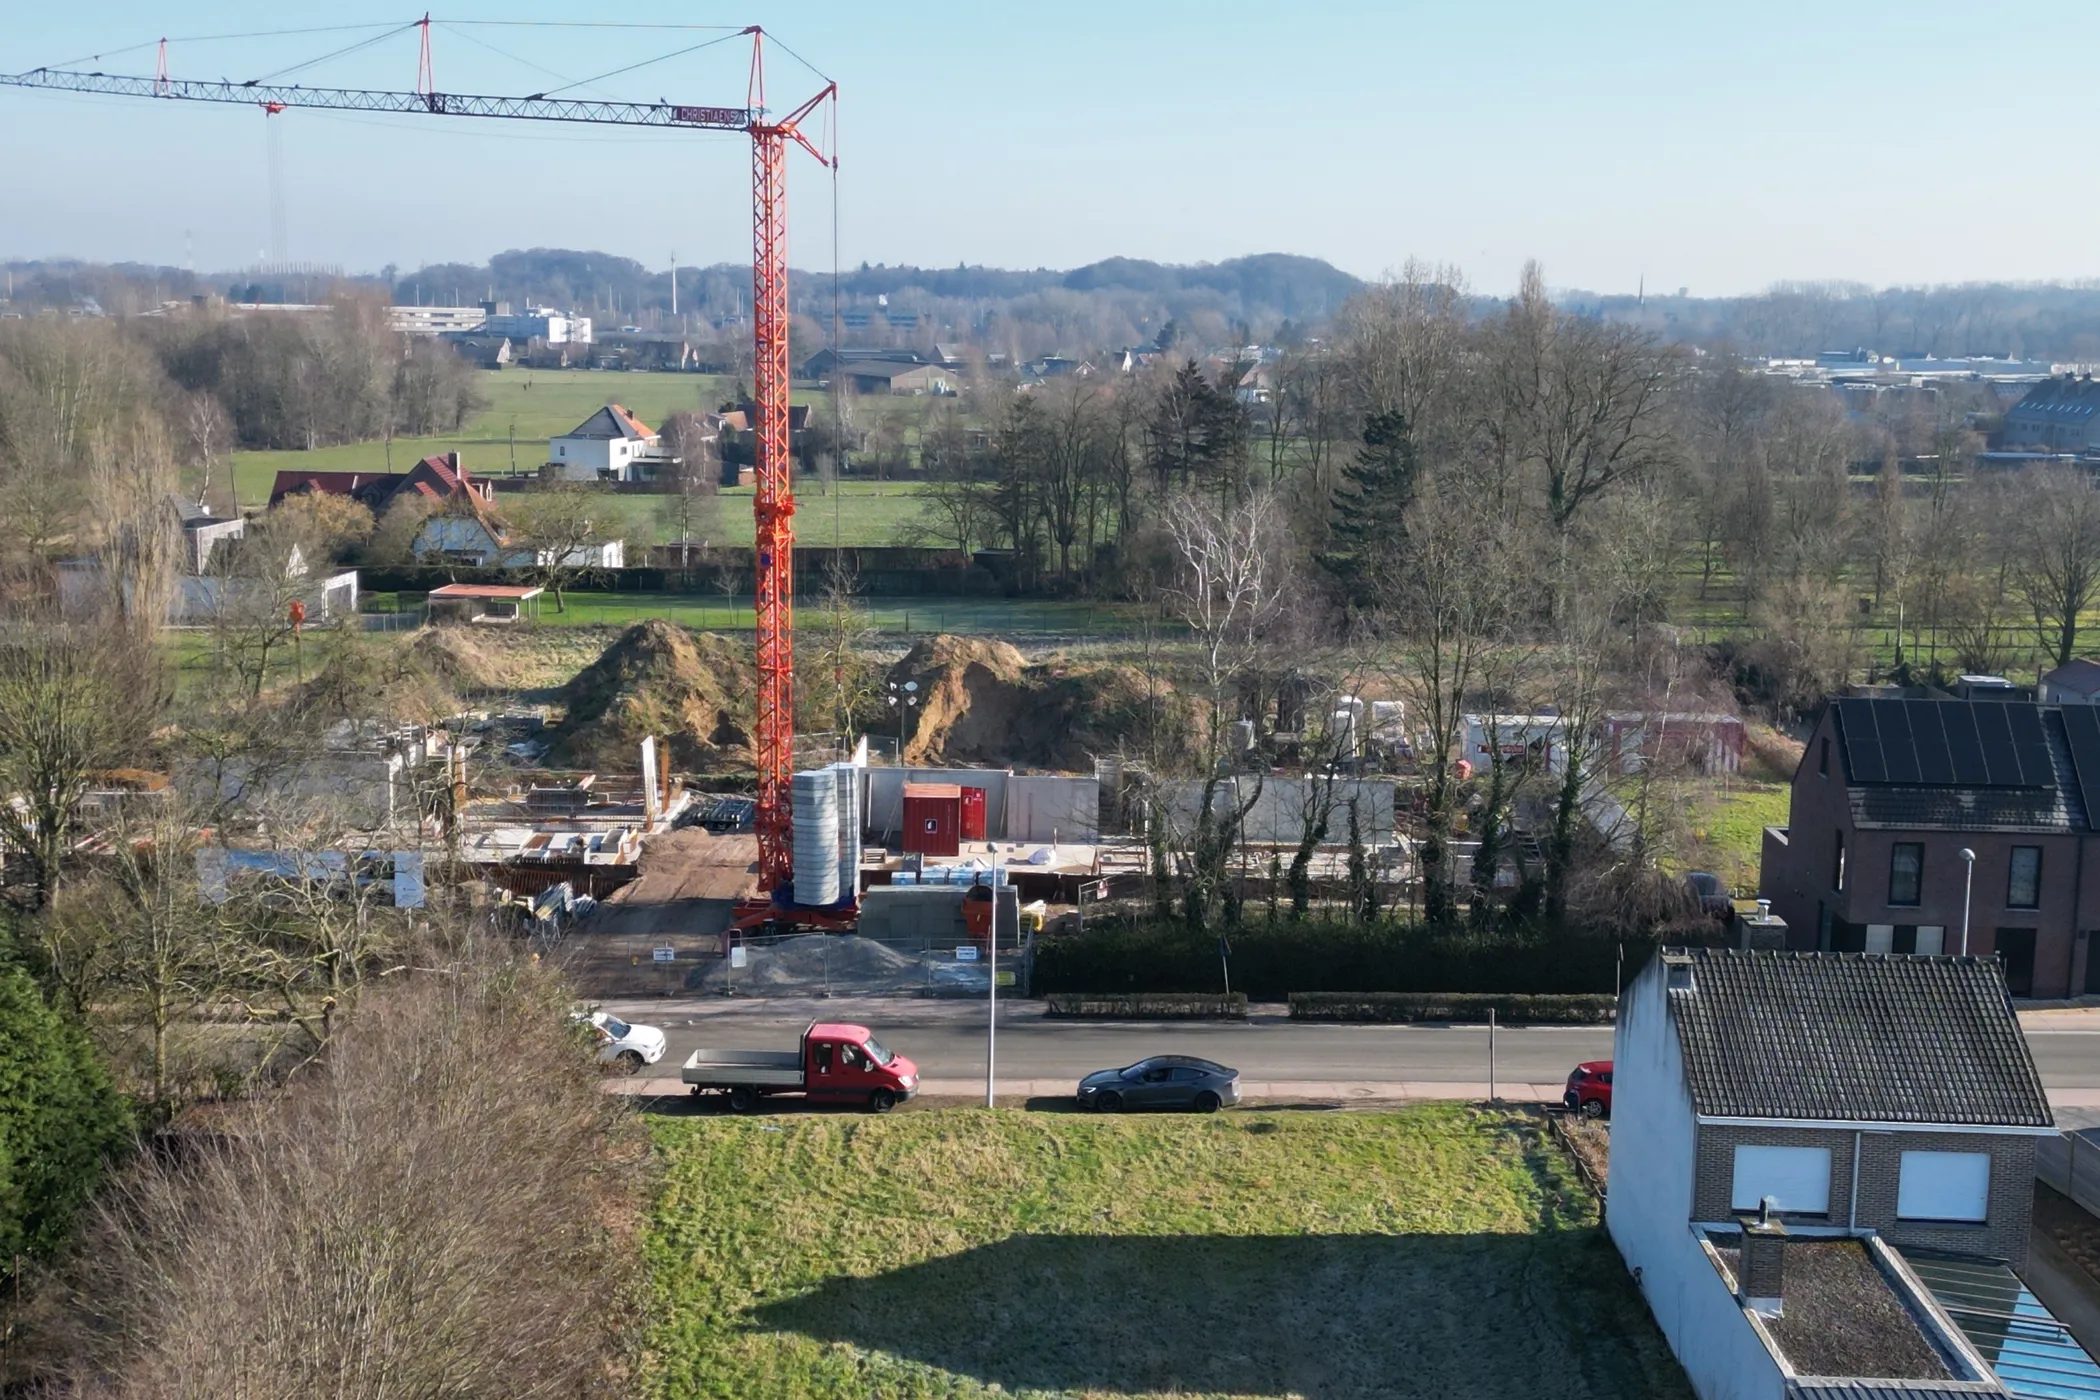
[[690, 689], [459, 660], [983, 702]]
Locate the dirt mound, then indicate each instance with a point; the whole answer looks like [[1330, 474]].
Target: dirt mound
[[983, 702], [460, 660], [690, 689]]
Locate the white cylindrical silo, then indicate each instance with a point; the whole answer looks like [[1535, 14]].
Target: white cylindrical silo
[[816, 798]]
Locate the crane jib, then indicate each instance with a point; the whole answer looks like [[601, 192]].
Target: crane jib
[[537, 107]]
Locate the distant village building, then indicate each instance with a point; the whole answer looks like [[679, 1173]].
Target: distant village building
[[610, 445], [203, 532], [2056, 415], [436, 479], [467, 532], [2076, 682], [895, 377]]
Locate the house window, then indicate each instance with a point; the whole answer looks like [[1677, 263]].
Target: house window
[[1906, 867], [1837, 863], [1798, 1178], [2023, 879], [1931, 939], [1944, 1186], [1881, 938]]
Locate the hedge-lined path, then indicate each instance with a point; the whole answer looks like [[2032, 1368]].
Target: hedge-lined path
[[1042, 1057]]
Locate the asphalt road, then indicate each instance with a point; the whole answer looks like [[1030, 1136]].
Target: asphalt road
[[947, 1039]]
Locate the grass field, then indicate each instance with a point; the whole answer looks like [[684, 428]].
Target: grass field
[[535, 405], [1437, 1251]]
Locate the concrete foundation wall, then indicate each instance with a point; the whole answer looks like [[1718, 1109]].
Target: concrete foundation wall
[[1280, 810], [885, 809], [1050, 807]]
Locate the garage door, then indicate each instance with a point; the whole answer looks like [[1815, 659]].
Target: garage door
[[1797, 1177], [1944, 1186]]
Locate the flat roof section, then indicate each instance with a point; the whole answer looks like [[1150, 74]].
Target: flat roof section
[[485, 590], [1842, 1318]]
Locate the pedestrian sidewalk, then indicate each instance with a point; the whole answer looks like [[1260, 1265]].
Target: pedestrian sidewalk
[[1276, 1090], [1251, 1090]]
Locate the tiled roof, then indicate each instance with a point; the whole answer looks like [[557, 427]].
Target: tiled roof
[[2067, 399], [1854, 1037], [611, 421]]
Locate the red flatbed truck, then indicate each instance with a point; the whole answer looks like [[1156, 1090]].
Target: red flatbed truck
[[835, 1063]]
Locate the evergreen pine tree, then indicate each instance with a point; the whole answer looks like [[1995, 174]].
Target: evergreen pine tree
[[1370, 503]]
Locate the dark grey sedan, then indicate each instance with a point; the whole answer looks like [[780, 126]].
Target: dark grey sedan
[[1164, 1081]]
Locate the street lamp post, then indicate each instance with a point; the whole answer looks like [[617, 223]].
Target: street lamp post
[[1968, 888], [991, 1023], [902, 698]]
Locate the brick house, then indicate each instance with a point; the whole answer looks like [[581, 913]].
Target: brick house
[[1882, 1104], [1889, 794]]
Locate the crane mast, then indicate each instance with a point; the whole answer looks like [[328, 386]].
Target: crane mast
[[773, 507]]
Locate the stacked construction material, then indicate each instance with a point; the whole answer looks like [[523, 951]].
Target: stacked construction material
[[848, 778], [816, 799]]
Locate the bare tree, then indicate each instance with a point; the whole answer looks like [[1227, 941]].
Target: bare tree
[[1229, 590], [553, 526], [1449, 606], [2058, 572], [1579, 401], [75, 700]]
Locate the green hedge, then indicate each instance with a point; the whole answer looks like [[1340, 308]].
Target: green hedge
[[1162, 1006], [1515, 1010], [1270, 961]]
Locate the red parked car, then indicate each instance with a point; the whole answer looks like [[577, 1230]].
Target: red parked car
[[1589, 1090]]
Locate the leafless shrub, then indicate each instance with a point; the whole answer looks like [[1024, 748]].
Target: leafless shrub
[[446, 1208]]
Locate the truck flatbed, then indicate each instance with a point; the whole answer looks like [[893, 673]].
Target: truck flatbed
[[781, 1069]]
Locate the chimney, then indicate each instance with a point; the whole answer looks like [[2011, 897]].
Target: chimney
[[1761, 1284]]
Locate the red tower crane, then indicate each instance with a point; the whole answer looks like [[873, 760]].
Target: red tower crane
[[773, 508]]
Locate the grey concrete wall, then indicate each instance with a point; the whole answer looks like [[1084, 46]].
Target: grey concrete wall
[[886, 797], [1053, 807]]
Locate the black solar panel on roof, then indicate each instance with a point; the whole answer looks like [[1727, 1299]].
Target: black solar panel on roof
[[1964, 748], [1945, 743], [1929, 733], [1996, 735], [2082, 729], [1862, 739], [1899, 749], [2029, 747]]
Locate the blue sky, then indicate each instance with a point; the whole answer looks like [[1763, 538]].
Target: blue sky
[[1716, 147]]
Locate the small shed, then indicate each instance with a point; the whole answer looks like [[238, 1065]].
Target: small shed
[[483, 602], [932, 819]]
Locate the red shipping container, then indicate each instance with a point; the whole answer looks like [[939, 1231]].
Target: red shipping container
[[973, 814], [932, 819]]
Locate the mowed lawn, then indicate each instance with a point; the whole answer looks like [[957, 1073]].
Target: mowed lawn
[[1439, 1251], [535, 405]]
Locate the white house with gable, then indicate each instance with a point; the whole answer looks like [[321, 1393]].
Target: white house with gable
[[610, 445]]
